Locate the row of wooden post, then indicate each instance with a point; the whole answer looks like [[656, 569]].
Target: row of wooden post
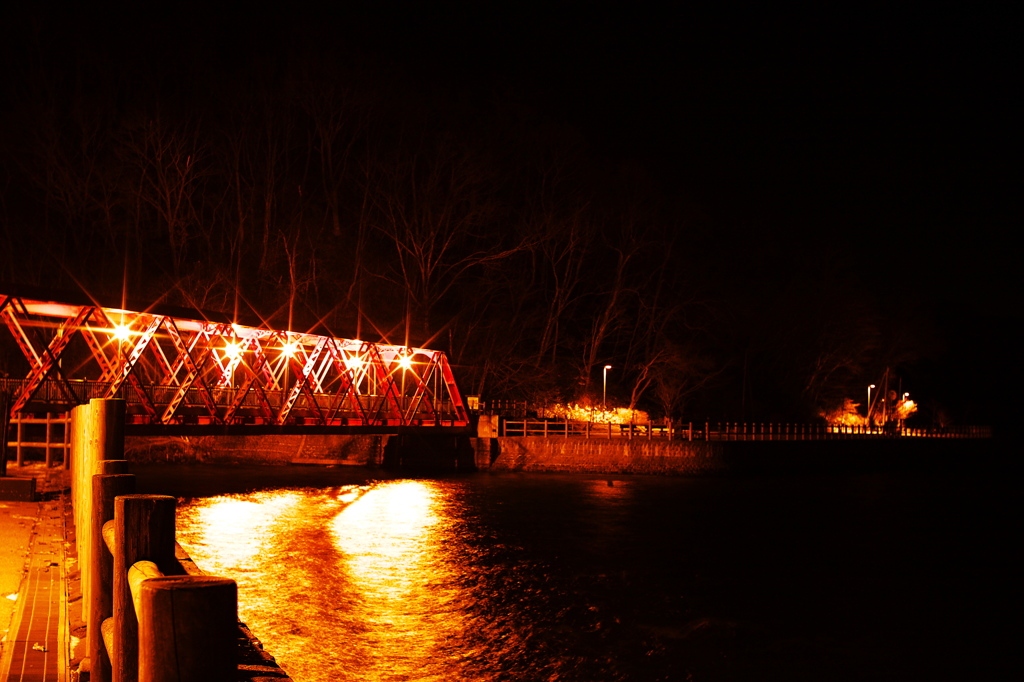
[[145, 621]]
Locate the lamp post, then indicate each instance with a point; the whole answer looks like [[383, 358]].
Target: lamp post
[[604, 391], [869, 405]]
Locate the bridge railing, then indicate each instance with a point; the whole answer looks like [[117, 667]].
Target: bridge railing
[[726, 431]]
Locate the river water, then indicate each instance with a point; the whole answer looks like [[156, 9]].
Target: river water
[[519, 577]]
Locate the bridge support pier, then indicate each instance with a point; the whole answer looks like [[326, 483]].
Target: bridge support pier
[[483, 450], [430, 452]]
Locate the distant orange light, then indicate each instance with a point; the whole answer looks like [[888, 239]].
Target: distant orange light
[[905, 407], [582, 413], [354, 364]]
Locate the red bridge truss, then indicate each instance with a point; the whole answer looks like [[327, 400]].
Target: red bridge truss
[[176, 371]]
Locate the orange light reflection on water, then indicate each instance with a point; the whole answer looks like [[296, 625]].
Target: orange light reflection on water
[[385, 564], [353, 583], [229, 532], [390, 544]]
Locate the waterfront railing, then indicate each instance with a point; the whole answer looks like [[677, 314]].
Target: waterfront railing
[[54, 437], [726, 431]]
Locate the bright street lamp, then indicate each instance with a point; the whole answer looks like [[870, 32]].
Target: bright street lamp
[[604, 392], [869, 403]]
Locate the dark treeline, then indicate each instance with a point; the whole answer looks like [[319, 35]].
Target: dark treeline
[[321, 189]]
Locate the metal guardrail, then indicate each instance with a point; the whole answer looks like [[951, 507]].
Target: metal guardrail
[[728, 431], [577, 429]]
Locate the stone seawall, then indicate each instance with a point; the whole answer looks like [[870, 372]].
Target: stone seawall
[[582, 455], [554, 454]]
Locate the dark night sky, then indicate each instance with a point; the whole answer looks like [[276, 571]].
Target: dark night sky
[[883, 130]]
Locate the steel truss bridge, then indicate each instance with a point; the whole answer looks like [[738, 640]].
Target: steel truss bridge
[[177, 371]]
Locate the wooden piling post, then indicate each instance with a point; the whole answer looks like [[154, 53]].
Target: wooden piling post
[[188, 629], [143, 530], [75, 456], [79, 446], [105, 488], [98, 435], [107, 434]]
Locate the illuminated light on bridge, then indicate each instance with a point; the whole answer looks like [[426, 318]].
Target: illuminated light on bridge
[[176, 370], [232, 350], [122, 332], [289, 349]]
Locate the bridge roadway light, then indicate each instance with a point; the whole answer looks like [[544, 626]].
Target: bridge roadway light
[[289, 349]]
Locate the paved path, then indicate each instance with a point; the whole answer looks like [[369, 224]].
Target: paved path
[[36, 642]]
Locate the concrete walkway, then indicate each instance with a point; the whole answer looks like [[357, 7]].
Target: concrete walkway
[[35, 639]]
